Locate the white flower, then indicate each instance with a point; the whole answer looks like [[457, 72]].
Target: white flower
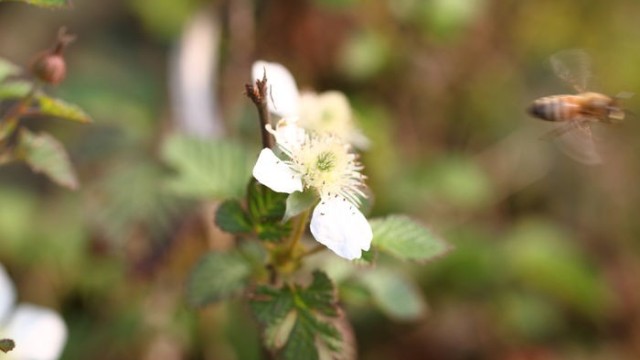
[[327, 166], [38, 333], [325, 113]]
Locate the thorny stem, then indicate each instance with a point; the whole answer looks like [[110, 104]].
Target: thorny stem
[[258, 93]]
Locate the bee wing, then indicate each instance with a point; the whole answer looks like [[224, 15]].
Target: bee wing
[[572, 66], [576, 140]]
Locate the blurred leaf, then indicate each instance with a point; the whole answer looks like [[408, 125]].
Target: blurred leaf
[[266, 210], [45, 3], [7, 345], [232, 218], [14, 89], [60, 109], [45, 154], [294, 319], [394, 294], [448, 17], [206, 168], [217, 276], [164, 18], [298, 202], [540, 255], [336, 4], [406, 239], [8, 69], [530, 316]]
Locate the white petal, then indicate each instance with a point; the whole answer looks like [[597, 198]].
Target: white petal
[[289, 135], [275, 174], [341, 227], [39, 333], [7, 294], [284, 96]]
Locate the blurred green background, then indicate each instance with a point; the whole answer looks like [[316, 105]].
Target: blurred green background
[[546, 250]]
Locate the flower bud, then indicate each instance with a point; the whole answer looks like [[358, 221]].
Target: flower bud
[[50, 66]]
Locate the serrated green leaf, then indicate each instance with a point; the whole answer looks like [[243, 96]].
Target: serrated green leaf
[[232, 218], [60, 109], [45, 3], [7, 68], [394, 295], [217, 276], [43, 153], [14, 89], [404, 238], [7, 345], [266, 210], [298, 319], [206, 168], [298, 202]]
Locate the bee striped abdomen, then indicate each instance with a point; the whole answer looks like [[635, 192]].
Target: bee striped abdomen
[[555, 108]]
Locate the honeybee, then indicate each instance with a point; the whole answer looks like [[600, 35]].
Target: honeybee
[[576, 113]]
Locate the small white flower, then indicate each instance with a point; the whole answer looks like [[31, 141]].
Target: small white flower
[[327, 166], [325, 113], [38, 333]]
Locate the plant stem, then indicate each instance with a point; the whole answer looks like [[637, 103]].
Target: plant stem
[[299, 226], [9, 121], [314, 250], [258, 94]]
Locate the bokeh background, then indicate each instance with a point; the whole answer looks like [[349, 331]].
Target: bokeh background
[[546, 249]]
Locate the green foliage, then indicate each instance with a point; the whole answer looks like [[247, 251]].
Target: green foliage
[[43, 153], [393, 294], [14, 89], [298, 321], [8, 69], [298, 202], [364, 55], [232, 218], [7, 345], [266, 210], [206, 168], [60, 109], [45, 3], [217, 276], [405, 239]]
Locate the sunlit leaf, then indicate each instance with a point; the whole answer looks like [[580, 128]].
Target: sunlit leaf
[[7, 345], [45, 3], [60, 109], [299, 202], [207, 168], [266, 210], [300, 322], [217, 276], [406, 239], [45, 154], [394, 294], [232, 218], [14, 89], [8, 69]]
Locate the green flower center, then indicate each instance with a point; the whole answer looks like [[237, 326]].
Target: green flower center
[[326, 161]]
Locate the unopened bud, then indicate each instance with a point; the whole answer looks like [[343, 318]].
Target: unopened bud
[[50, 66]]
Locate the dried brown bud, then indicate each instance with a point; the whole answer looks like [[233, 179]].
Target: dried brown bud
[[50, 66]]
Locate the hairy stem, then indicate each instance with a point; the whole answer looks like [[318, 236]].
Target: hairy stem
[[300, 225], [258, 94]]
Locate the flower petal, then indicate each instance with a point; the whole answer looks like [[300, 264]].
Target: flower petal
[[39, 333], [341, 227], [275, 173], [7, 294], [284, 96]]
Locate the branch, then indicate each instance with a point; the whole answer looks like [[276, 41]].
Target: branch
[[258, 94]]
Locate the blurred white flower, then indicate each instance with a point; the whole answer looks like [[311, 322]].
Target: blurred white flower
[[38, 333], [325, 113], [326, 165]]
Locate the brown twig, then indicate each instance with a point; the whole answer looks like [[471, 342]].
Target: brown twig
[[258, 93]]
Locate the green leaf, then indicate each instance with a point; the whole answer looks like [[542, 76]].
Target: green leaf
[[217, 276], [299, 202], [8, 69], [404, 238], [231, 218], [394, 294], [300, 322], [14, 89], [60, 109], [45, 3], [266, 210], [7, 345], [45, 154], [206, 168]]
